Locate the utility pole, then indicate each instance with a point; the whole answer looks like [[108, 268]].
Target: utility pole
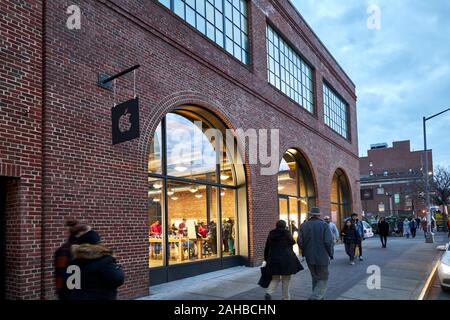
[[429, 237]]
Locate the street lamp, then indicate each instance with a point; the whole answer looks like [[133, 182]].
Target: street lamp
[[429, 237]]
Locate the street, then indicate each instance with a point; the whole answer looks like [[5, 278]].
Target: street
[[404, 265]]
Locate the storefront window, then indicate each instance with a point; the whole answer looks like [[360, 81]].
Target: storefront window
[[295, 189], [192, 192], [340, 198]]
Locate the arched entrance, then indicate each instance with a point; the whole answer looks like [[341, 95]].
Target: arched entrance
[[296, 193], [196, 196], [340, 198]]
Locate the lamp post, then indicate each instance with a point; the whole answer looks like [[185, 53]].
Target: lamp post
[[429, 237]]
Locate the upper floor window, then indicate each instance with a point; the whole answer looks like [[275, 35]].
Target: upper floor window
[[288, 72], [222, 21], [336, 111]]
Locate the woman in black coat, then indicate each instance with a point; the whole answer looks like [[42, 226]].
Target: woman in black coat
[[351, 239], [100, 275], [383, 231], [280, 258]]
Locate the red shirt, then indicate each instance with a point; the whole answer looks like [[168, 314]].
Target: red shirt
[[156, 229], [203, 231], [182, 226]]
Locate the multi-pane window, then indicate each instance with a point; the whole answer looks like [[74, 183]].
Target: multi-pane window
[[336, 111], [288, 72], [222, 21]]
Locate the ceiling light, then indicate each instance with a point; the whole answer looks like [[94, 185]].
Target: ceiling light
[[180, 168], [193, 189], [157, 185], [174, 198], [171, 192], [222, 193], [156, 200], [198, 196], [224, 177], [280, 188]]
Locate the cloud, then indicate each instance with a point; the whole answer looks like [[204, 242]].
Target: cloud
[[401, 71]]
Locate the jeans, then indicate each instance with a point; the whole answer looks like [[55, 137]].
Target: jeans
[[350, 250], [319, 276], [285, 281], [383, 240], [413, 232]]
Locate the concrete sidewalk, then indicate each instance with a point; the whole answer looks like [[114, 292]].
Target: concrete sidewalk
[[405, 266]]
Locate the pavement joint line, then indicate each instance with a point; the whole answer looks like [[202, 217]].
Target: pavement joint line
[[429, 281]]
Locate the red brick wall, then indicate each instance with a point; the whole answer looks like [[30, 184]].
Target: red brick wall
[[20, 142], [86, 177]]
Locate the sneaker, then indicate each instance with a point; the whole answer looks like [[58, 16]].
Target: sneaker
[[352, 263], [361, 259], [267, 297]]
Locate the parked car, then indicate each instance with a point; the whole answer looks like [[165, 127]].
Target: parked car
[[368, 233], [444, 268]]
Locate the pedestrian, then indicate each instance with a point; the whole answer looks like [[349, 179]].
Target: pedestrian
[[418, 222], [383, 231], [360, 229], [281, 261], [413, 227], [315, 241], [334, 231], [62, 256], [100, 275], [406, 229], [400, 227], [424, 226], [351, 239]]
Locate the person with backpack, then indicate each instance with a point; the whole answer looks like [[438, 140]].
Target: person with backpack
[[62, 257]]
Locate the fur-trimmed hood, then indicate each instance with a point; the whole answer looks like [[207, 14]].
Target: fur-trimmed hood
[[90, 251]]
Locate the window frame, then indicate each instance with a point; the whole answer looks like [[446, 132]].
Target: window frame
[[336, 117]]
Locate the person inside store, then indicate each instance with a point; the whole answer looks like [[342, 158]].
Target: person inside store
[[202, 230], [212, 236], [155, 232], [225, 235], [182, 228]]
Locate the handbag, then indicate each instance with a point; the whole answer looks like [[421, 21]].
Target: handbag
[[265, 278]]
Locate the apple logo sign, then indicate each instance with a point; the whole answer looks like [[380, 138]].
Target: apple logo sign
[[124, 121]]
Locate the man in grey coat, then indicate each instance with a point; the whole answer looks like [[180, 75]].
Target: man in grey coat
[[315, 241]]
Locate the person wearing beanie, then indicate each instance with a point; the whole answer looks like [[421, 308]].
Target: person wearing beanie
[[62, 256]]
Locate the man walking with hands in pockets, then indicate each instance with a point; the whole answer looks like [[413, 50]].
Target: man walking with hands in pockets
[[315, 241]]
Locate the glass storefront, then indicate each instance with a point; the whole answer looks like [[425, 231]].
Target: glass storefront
[[193, 191], [296, 192], [340, 198]]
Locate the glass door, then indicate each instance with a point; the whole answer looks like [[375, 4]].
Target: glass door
[[288, 210]]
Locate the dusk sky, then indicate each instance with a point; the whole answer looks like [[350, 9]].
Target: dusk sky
[[401, 71]]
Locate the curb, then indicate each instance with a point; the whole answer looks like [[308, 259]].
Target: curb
[[429, 282]]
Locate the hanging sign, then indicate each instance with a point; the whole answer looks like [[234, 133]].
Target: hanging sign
[[125, 121]]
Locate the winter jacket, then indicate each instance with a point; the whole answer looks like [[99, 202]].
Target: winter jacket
[[358, 225], [413, 224], [279, 253], [383, 228], [316, 241], [350, 234], [100, 274]]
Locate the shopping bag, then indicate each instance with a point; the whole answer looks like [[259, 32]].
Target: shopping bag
[[265, 279], [357, 252]]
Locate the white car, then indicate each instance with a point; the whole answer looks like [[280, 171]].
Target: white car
[[368, 232], [444, 268]]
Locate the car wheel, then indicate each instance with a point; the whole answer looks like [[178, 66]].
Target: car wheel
[[444, 288]]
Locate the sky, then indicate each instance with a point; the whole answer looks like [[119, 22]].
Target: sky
[[401, 70]]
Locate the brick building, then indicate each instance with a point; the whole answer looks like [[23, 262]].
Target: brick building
[[392, 179], [231, 64]]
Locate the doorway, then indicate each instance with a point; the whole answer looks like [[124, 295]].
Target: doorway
[[2, 237]]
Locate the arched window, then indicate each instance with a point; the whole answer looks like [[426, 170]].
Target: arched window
[[296, 192], [194, 184], [340, 198]]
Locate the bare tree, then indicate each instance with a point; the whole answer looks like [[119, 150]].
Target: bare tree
[[440, 185]]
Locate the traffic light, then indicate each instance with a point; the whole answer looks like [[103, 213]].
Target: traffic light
[[424, 211]]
